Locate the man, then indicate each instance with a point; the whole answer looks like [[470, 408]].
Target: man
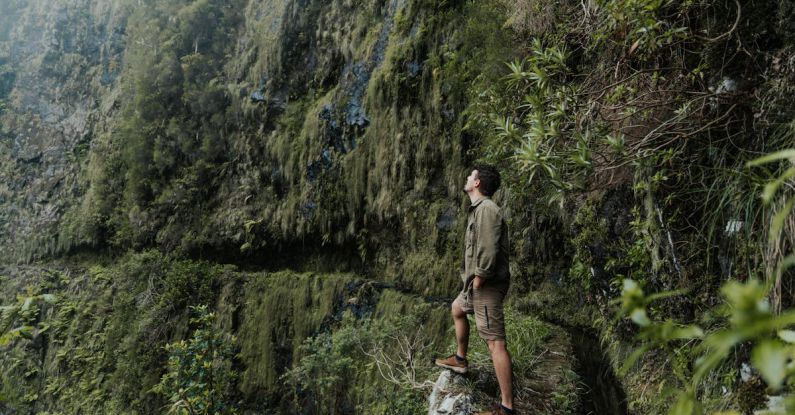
[[486, 280]]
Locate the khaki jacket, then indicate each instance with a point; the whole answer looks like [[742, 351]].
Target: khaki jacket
[[487, 248]]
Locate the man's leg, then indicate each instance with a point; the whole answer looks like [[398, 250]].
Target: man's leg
[[461, 329], [502, 367]]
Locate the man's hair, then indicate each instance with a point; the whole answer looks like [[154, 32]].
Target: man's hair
[[489, 178]]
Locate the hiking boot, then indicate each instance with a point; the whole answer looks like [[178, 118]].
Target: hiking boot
[[453, 363], [498, 410]]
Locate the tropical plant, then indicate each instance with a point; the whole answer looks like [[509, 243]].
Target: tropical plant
[[748, 318], [200, 378], [22, 318]]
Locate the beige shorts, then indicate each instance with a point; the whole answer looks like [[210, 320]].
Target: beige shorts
[[486, 304]]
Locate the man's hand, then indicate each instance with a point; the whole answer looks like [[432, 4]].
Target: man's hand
[[477, 282]]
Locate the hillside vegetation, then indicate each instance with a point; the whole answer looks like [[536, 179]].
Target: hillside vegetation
[[234, 206]]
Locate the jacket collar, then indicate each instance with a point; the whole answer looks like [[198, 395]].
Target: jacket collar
[[477, 202]]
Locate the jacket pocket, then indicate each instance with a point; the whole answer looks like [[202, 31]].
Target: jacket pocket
[[470, 240]]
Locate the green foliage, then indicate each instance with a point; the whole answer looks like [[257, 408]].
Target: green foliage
[[634, 304], [544, 380], [105, 333], [638, 256], [168, 144], [327, 367], [526, 336], [628, 115], [200, 376], [23, 328], [604, 92], [302, 303], [376, 363], [592, 233], [640, 26], [772, 187], [22, 319], [529, 114], [749, 318], [394, 358]]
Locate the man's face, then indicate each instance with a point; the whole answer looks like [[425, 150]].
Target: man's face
[[472, 181]]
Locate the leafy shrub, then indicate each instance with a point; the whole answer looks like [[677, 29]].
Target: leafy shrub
[[748, 319], [324, 371], [374, 364], [200, 376], [22, 319]]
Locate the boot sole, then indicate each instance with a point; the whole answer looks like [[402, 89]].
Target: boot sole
[[456, 369]]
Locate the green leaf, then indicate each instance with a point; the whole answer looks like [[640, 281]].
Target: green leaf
[[9, 311], [778, 155], [771, 188], [686, 405], [22, 331], [770, 358], [785, 264], [778, 220], [664, 294], [787, 335], [640, 318], [716, 347], [630, 361], [688, 332]]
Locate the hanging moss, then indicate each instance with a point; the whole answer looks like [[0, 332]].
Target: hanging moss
[[280, 311]]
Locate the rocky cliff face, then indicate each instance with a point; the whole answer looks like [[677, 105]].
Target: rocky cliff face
[[291, 133], [231, 128], [60, 65], [288, 133]]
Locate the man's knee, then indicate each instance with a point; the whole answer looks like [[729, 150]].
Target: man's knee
[[497, 346], [456, 310]]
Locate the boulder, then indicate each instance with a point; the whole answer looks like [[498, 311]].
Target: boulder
[[447, 399]]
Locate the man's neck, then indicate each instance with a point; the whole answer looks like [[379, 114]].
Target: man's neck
[[474, 195]]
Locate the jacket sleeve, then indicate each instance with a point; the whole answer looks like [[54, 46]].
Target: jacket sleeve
[[489, 229]]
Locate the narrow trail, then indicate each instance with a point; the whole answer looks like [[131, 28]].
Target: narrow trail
[[603, 393]]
